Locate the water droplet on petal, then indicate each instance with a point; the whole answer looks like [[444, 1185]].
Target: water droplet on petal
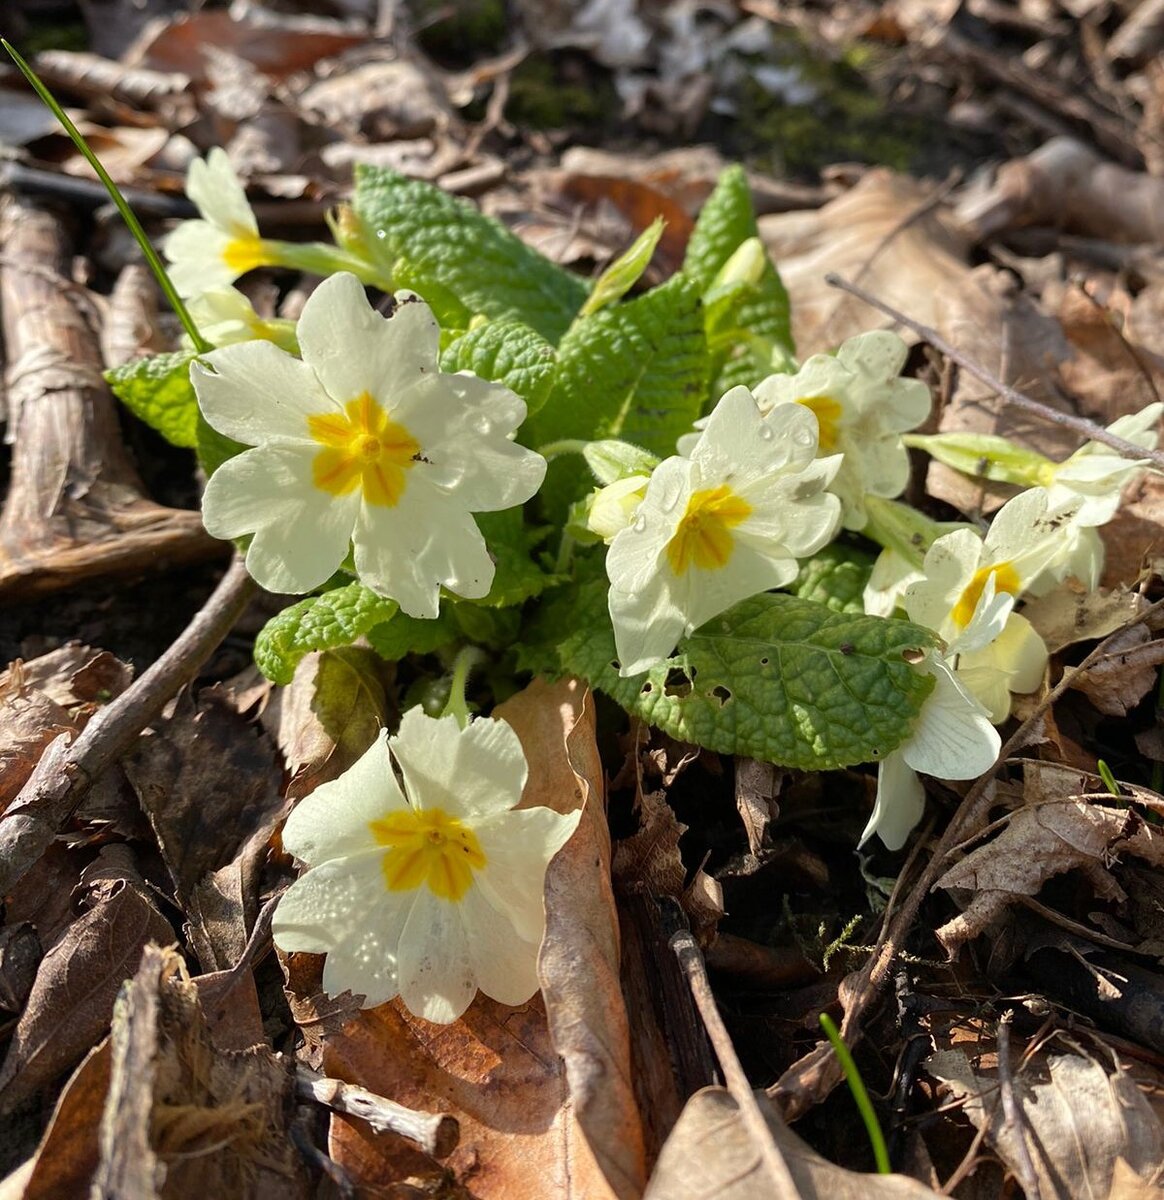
[[803, 437], [669, 493], [481, 424], [381, 234], [766, 434], [639, 523]]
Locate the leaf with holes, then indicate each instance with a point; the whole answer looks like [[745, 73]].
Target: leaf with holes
[[324, 622], [776, 678], [459, 260]]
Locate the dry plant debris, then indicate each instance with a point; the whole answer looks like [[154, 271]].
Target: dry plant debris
[[990, 176]]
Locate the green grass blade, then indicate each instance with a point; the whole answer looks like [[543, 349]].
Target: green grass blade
[[860, 1095]]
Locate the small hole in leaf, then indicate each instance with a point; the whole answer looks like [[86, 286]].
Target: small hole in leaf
[[677, 684], [722, 694], [646, 689], [913, 656], [765, 661], [847, 648], [615, 664]]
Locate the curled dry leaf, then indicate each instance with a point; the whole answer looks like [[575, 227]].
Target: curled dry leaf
[[78, 979], [1124, 675], [525, 1083], [885, 235], [1038, 842], [1080, 1118], [1072, 614], [711, 1156]]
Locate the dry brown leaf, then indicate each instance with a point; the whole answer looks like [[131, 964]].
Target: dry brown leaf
[[20, 955], [1072, 614], [207, 779], [29, 721], [328, 715], [1080, 1119], [67, 1155], [1134, 539], [1125, 674], [498, 1069], [880, 235], [710, 1156], [1038, 842], [1003, 330], [380, 101], [78, 979]]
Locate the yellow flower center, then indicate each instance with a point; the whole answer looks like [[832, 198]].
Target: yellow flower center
[[828, 414], [703, 536], [428, 847], [245, 252], [1006, 579], [363, 449]]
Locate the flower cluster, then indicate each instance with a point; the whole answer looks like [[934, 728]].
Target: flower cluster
[[425, 877]]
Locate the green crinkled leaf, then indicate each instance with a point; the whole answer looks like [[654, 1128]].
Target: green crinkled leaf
[[758, 321], [512, 543], [775, 678], [402, 635], [459, 260], [158, 391], [506, 352], [835, 577], [214, 448], [726, 219], [323, 622], [636, 371]]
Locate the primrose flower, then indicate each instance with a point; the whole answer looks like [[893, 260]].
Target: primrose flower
[[863, 407], [363, 443], [214, 251], [720, 526], [953, 739], [1095, 475], [225, 317], [430, 890], [970, 588]]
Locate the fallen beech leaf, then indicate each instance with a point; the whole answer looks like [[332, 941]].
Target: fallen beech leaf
[[68, 1154], [867, 236], [207, 779], [521, 1108], [1125, 674], [1001, 329], [1073, 614], [328, 715], [78, 979], [1134, 537], [1038, 842], [29, 721], [1082, 1118], [380, 100], [711, 1156]]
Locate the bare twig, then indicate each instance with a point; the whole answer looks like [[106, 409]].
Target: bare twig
[[1088, 429], [65, 772], [1013, 1113], [691, 961], [435, 1133]]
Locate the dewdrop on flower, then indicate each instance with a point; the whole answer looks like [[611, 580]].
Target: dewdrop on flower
[[363, 444], [431, 888], [719, 527], [224, 243]]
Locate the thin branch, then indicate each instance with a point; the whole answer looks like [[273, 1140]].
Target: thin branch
[[436, 1134], [1013, 1113], [695, 971], [1080, 425], [65, 772]]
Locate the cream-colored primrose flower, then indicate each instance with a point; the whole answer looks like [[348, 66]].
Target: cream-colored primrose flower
[[718, 527], [968, 595], [863, 407], [212, 252], [363, 443], [953, 739], [225, 317], [430, 888]]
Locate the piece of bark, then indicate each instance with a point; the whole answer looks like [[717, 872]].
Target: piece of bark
[[75, 507]]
